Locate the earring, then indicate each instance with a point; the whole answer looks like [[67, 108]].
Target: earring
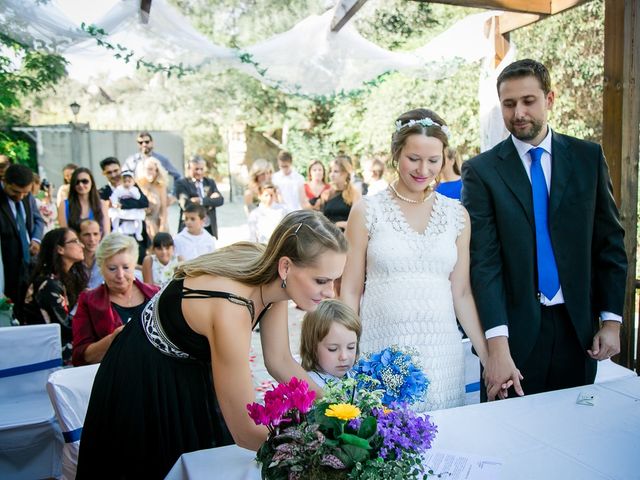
[[284, 283]]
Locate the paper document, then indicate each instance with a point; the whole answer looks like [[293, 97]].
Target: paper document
[[460, 466]]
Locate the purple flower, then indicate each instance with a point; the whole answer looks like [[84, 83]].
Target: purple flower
[[403, 431]]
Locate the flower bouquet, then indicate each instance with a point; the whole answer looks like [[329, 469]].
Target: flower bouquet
[[398, 373], [348, 434], [6, 311]]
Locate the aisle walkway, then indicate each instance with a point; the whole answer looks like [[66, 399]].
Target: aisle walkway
[[232, 227]]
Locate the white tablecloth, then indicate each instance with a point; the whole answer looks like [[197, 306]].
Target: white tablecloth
[[537, 436]]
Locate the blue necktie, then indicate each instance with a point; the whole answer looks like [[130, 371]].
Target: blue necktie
[[22, 232], [548, 281]]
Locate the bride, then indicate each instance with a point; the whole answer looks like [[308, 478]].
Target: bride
[[408, 263]]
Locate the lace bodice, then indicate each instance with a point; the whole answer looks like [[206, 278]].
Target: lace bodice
[[407, 298]]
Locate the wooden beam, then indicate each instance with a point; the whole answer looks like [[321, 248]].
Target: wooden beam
[[344, 10], [542, 7], [620, 129], [145, 10], [510, 21]]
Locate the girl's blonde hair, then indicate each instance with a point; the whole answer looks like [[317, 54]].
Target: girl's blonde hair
[[161, 176], [344, 165], [302, 236], [316, 326]]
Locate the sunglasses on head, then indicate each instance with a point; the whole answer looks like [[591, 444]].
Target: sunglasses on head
[[83, 181], [146, 142]]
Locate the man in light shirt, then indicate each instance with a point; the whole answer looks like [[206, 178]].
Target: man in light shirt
[[290, 183], [548, 265]]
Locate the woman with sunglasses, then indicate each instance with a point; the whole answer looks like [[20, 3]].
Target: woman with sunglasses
[[56, 282], [83, 202]]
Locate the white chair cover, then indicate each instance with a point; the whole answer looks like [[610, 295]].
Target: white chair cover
[[69, 391], [30, 437]]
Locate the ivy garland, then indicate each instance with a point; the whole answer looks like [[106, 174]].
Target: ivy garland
[[127, 55]]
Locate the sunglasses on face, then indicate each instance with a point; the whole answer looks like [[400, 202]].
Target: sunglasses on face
[[83, 181], [146, 142]]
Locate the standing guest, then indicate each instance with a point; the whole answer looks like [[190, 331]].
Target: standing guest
[[290, 183], [260, 174], [153, 182], [450, 182], [376, 183], [198, 189], [264, 219], [126, 221], [4, 164], [337, 201], [193, 240], [103, 311], [21, 228], [90, 237], [83, 202], [46, 206], [111, 170], [63, 190], [411, 245], [145, 147], [548, 262], [315, 184], [180, 379], [158, 268], [57, 280]]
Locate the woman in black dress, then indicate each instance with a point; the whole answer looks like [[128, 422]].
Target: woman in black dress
[[154, 399], [337, 201]]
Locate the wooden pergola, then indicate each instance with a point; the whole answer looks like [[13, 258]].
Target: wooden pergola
[[621, 107]]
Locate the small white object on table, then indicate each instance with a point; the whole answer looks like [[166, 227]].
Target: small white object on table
[[536, 436]]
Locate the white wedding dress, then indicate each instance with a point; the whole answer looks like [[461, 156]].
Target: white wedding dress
[[407, 298]]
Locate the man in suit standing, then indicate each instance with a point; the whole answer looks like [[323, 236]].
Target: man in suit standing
[[548, 265], [201, 190], [21, 229]]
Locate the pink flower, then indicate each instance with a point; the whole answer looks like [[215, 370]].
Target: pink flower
[[284, 404]]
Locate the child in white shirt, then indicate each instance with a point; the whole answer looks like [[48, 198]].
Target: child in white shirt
[[329, 342], [158, 267], [131, 220], [265, 218], [194, 240]]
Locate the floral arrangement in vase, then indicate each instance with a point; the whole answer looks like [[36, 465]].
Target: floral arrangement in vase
[[350, 433]]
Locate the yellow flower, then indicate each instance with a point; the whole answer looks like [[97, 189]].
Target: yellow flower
[[342, 411], [386, 410]]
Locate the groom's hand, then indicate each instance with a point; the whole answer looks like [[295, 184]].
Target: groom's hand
[[500, 371], [606, 343]]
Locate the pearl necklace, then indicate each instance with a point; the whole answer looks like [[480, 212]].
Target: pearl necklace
[[409, 200]]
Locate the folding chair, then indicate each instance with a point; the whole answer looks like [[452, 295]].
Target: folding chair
[[69, 391], [30, 437]]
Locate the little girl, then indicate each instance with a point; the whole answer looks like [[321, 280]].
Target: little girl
[[329, 343], [157, 269]]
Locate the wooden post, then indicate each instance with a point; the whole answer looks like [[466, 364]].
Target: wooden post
[[621, 114]]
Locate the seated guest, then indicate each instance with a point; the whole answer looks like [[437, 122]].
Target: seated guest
[[103, 311], [194, 240], [158, 268], [57, 280], [90, 238]]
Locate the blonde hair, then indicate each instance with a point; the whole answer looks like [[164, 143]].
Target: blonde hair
[[161, 176], [113, 244], [316, 326], [259, 167], [343, 163], [302, 236]]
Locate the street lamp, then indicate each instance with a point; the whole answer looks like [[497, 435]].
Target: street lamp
[[75, 109]]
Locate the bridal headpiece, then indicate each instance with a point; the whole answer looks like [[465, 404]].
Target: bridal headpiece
[[425, 122]]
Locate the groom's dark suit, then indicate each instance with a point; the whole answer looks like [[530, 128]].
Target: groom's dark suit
[[585, 232]]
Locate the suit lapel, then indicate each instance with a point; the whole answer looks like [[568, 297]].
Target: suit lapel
[[510, 168], [561, 172], [6, 210]]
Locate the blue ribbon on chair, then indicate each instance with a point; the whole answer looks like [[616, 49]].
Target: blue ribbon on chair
[[32, 367], [472, 387], [72, 436]]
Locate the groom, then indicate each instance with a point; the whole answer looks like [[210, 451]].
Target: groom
[[548, 264]]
